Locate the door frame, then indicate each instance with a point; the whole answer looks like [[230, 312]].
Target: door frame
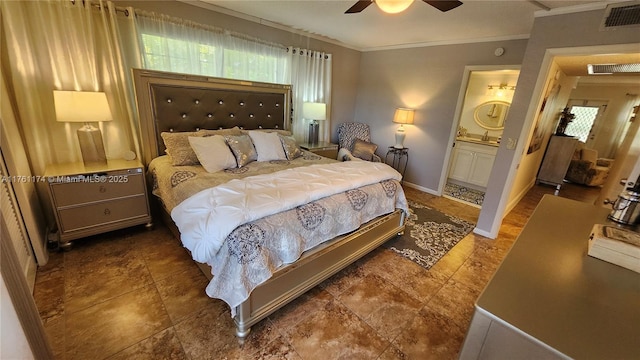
[[458, 112]]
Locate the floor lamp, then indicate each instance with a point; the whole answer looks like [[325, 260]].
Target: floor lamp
[[85, 107], [315, 112]]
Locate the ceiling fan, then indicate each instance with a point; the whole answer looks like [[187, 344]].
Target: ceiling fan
[[396, 6]]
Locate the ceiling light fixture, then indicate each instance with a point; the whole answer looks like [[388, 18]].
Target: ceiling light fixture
[[608, 69], [393, 6], [498, 90]]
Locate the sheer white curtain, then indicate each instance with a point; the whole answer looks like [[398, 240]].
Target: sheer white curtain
[[60, 45], [177, 45], [310, 78]]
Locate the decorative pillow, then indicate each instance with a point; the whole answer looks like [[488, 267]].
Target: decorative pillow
[[589, 155], [364, 150], [278, 131], [213, 152], [178, 148], [232, 131], [242, 149], [290, 146], [268, 145]]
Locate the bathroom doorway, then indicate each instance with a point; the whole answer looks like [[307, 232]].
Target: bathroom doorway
[[480, 116]]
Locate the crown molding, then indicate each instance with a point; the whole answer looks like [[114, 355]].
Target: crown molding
[[574, 9], [265, 22]]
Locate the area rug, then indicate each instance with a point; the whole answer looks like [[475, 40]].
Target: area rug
[[429, 235], [464, 193]]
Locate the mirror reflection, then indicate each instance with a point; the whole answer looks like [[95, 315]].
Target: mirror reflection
[[491, 114]]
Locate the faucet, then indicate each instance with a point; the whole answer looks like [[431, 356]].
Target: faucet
[[485, 137]]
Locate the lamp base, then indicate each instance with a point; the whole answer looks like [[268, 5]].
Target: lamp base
[[314, 131], [91, 146], [400, 135]]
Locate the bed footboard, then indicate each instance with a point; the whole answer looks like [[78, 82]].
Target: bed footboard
[[293, 280]]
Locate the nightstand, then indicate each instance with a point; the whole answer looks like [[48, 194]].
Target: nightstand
[[89, 200], [399, 159], [322, 148]]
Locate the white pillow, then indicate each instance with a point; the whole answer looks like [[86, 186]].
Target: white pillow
[[213, 152], [268, 145]]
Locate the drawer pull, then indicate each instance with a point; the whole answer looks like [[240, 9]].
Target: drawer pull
[[103, 189], [107, 212]]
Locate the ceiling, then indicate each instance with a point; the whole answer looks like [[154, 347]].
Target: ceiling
[[419, 25]]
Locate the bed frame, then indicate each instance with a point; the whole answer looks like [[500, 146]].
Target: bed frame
[[177, 102]]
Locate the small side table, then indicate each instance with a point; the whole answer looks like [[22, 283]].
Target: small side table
[[399, 157], [322, 148]]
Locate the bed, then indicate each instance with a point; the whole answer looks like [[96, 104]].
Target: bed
[[291, 222]]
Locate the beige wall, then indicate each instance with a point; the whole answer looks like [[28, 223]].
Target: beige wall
[[427, 79], [345, 60], [530, 163]]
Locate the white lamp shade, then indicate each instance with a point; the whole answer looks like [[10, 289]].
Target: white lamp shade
[[403, 116], [314, 111], [81, 106], [393, 6]]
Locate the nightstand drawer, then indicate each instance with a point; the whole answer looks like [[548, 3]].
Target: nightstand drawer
[[113, 185], [92, 215]]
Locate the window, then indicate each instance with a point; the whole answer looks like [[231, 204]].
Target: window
[[581, 126], [256, 63]]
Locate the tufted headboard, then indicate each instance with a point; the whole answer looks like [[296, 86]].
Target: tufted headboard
[[179, 102]]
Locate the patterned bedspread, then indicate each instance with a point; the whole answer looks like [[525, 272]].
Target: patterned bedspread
[[254, 250], [174, 184]]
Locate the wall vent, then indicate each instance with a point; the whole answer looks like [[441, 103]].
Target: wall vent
[[621, 15]]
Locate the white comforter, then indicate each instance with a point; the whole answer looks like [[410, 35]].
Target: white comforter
[[208, 217]]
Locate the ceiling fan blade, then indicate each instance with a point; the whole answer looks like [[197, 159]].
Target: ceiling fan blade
[[444, 5], [359, 6]]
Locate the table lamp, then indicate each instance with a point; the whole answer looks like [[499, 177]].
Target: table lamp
[[402, 116], [85, 107], [315, 112]]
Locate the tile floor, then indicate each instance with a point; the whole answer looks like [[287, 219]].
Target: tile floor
[[136, 294]]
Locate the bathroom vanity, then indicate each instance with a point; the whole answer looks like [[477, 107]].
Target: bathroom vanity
[[472, 161]]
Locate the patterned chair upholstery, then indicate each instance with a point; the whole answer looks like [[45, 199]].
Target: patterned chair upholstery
[[348, 133]]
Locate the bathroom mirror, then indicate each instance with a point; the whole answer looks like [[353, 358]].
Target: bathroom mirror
[[491, 114]]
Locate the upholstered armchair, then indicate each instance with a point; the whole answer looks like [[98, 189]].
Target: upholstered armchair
[[587, 169], [354, 142]]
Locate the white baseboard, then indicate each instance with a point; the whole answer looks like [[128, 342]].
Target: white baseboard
[[418, 187]]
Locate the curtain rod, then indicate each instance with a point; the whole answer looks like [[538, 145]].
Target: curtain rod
[[125, 11], [137, 12]]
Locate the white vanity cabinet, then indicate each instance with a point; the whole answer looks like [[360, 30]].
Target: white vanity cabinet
[[472, 163]]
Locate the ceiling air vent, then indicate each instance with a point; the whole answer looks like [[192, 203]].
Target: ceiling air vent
[[613, 68], [622, 14]]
